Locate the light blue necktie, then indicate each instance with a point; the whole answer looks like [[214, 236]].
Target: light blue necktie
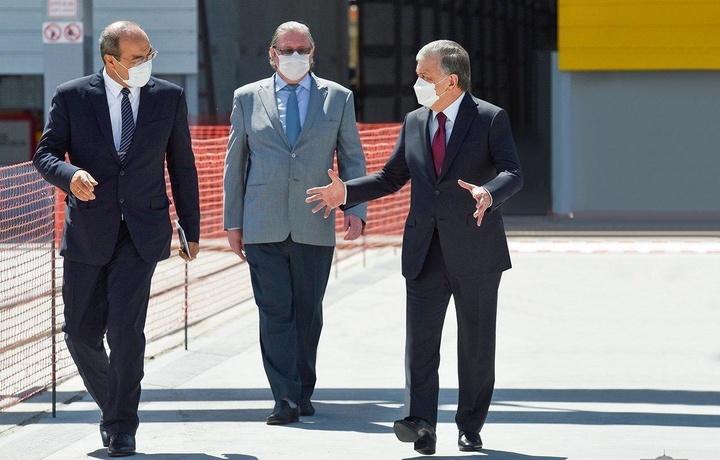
[[292, 116], [128, 125]]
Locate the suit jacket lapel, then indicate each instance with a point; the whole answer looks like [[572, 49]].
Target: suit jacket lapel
[[317, 100], [424, 134], [466, 113], [98, 100], [148, 98], [266, 92]]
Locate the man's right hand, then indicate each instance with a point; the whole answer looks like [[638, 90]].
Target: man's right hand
[[330, 196], [82, 185], [235, 238]]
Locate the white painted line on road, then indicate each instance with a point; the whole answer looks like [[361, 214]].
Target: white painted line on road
[[615, 246]]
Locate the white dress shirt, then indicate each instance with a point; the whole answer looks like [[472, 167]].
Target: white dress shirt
[[114, 98], [451, 113]]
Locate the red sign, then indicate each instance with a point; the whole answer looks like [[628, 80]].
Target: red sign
[[62, 32], [73, 32], [52, 32]]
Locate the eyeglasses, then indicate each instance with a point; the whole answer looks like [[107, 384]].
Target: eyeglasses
[[288, 51], [141, 60]]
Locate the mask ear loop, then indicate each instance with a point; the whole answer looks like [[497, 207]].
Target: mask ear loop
[[126, 67], [116, 72], [446, 91]]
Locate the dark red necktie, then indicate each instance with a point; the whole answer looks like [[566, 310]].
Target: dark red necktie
[[438, 142]]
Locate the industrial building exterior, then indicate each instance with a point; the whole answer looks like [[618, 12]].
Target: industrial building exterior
[[614, 105]]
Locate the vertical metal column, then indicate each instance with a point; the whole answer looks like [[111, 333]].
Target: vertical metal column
[[63, 60], [63, 53]]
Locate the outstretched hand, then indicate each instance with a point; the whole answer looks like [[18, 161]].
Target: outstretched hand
[[483, 199], [330, 196]]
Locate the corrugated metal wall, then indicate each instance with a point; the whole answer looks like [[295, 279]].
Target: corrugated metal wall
[[171, 26], [21, 48]]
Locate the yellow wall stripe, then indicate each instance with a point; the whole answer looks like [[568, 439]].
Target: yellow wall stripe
[[639, 34]]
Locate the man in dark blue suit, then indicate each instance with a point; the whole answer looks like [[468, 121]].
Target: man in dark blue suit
[[460, 154], [118, 127]]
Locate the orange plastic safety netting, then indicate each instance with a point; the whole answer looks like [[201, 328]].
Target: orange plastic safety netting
[[32, 351]]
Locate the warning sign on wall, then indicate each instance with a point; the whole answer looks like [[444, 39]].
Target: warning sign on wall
[[62, 8], [62, 32]]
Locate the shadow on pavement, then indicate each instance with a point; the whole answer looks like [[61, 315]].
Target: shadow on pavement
[[488, 454], [372, 410], [102, 453]]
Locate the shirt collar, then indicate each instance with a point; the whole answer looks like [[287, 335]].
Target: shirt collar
[[452, 110], [114, 88], [280, 83]]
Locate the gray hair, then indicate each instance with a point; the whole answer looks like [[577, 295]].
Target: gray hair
[[453, 59], [110, 37], [290, 26]]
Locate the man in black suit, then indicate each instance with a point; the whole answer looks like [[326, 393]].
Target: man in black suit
[[118, 127], [460, 154]]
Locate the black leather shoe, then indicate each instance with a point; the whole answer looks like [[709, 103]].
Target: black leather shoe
[[417, 430], [424, 446], [469, 441], [104, 436], [121, 445], [306, 408], [410, 429], [283, 413]]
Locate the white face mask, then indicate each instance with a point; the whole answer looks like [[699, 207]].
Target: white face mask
[[294, 66], [138, 75], [425, 92]]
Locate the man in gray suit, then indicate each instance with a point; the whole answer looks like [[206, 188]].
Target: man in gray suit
[[284, 135]]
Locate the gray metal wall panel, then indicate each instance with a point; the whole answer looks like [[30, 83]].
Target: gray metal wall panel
[[170, 25], [646, 142], [21, 48]]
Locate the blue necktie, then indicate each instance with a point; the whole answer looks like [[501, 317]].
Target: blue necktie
[[292, 116], [128, 125]]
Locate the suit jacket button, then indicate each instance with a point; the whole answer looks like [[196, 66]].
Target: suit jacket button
[[122, 200], [293, 155], [437, 192], [122, 173]]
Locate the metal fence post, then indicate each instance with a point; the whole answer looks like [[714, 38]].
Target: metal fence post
[[186, 288], [53, 305]]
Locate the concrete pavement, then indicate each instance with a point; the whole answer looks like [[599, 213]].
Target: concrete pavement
[[605, 351]]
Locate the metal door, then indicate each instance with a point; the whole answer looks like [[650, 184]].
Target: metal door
[[509, 43]]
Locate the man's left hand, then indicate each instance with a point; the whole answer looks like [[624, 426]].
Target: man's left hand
[[194, 250], [483, 199], [354, 226]]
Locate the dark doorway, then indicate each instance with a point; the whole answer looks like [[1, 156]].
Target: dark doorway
[[509, 42]]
